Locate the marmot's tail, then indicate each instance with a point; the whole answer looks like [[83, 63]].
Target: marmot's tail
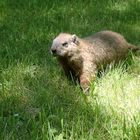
[[134, 48]]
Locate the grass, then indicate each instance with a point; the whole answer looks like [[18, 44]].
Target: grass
[[36, 99]]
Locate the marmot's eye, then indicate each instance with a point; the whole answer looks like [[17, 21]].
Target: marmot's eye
[[65, 44]]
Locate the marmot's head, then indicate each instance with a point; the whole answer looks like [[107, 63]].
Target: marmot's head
[[65, 45]]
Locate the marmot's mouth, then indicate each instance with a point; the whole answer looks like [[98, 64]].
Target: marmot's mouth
[[54, 55]]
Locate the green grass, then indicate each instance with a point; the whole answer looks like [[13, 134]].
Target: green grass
[[37, 101]]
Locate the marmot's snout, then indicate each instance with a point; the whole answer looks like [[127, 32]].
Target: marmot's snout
[[53, 51]]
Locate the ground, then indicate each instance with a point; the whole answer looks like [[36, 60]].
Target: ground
[[36, 99]]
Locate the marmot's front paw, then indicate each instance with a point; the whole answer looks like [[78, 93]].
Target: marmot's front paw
[[85, 87], [86, 90]]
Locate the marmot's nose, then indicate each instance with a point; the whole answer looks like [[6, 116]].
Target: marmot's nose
[[53, 51]]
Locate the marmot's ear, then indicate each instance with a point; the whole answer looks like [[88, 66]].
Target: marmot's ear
[[74, 39]]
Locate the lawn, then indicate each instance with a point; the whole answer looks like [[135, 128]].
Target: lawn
[[37, 102]]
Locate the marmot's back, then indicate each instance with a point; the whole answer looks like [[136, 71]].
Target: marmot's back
[[109, 46], [108, 39]]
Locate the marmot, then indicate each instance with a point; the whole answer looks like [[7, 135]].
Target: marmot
[[84, 57]]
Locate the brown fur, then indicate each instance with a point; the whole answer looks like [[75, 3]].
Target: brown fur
[[84, 57]]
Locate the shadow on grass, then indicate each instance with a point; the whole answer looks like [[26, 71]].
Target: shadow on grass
[[38, 105]]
